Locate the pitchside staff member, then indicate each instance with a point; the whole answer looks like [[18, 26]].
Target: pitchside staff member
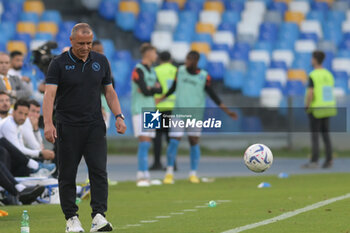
[[320, 105], [75, 78], [166, 73], [190, 86]]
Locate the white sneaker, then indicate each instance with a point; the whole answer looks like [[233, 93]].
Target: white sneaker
[[74, 225], [143, 183], [100, 224]]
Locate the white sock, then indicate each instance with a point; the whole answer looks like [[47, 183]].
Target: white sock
[[170, 170], [20, 187], [140, 175], [147, 175], [193, 173], [33, 164]]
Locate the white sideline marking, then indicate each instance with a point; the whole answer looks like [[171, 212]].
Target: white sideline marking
[[133, 225], [163, 216], [288, 214], [177, 213], [148, 221], [201, 206], [190, 210], [224, 201]]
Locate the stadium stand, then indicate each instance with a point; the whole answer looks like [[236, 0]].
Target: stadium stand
[[247, 45]]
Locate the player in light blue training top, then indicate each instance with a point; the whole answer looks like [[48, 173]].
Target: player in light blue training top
[[190, 86]]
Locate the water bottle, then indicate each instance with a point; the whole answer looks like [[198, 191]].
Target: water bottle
[[25, 222]]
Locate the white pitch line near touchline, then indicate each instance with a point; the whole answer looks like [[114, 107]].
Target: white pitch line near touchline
[[288, 214]]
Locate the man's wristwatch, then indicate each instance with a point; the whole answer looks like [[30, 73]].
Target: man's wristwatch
[[120, 115]]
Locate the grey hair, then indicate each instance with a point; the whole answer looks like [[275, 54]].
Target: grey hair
[[83, 28]]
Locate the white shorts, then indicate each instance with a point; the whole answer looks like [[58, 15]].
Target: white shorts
[[137, 124], [178, 132]]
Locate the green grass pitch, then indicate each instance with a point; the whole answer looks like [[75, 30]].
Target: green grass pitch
[[244, 204]]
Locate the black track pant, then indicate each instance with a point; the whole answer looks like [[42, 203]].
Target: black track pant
[[157, 141], [7, 181], [320, 126], [73, 143], [17, 161]]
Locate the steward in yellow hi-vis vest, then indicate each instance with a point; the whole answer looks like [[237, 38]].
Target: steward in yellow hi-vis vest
[[320, 105], [166, 73]]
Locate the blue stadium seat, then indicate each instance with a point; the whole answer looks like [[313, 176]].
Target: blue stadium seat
[[203, 61], [124, 55], [336, 16], [236, 54], [278, 65], [264, 45], [288, 31], [188, 17], [121, 73], [242, 46], [13, 7], [8, 30], [237, 6], [25, 37], [259, 67], [334, 32], [327, 63], [216, 70], [227, 27], [143, 31], [126, 21], [181, 35], [150, 7], [29, 17], [302, 61], [341, 80], [281, 7], [268, 31], [345, 44], [3, 47], [43, 36], [51, 16], [171, 6], [295, 88], [343, 53], [240, 51], [251, 88], [66, 26], [309, 36], [108, 46], [224, 47], [203, 37], [318, 15], [346, 36], [147, 17], [231, 17], [284, 44], [108, 8], [320, 6], [233, 79], [9, 17], [193, 6]]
